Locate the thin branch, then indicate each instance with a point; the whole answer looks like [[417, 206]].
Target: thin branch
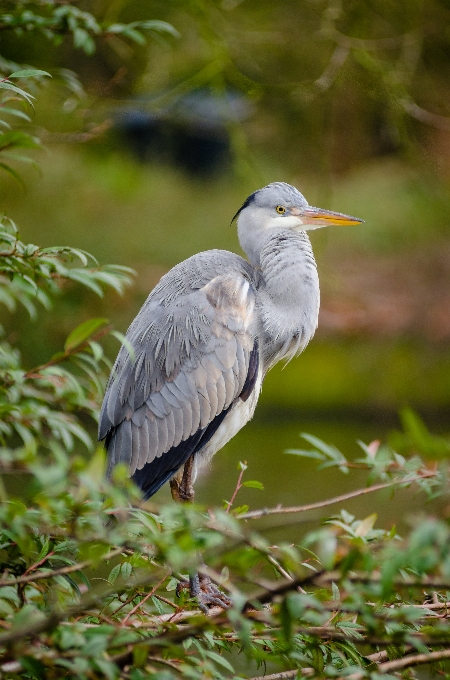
[[281, 570], [414, 660], [166, 601], [77, 137], [30, 578], [283, 675], [424, 116], [148, 596], [238, 486], [331, 71], [405, 662], [369, 44], [279, 510], [68, 353], [424, 582]]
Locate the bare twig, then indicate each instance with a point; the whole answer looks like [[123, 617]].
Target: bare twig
[[283, 675], [414, 660], [279, 568], [238, 486], [51, 573], [57, 359], [148, 596], [76, 137], [333, 67], [404, 662], [424, 116], [305, 672], [279, 510]]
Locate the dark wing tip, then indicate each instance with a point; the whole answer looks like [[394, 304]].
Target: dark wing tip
[[252, 373], [153, 475]]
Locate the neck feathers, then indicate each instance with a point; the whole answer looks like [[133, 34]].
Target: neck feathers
[[289, 296]]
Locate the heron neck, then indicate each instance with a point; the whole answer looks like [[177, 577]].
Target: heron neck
[[288, 299]]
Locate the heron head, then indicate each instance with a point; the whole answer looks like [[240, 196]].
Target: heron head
[[282, 206]]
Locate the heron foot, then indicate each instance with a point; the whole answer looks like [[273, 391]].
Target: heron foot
[[205, 592], [182, 489]]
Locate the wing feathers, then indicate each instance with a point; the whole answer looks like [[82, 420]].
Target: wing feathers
[[147, 444], [192, 362], [178, 426], [163, 436], [135, 448]]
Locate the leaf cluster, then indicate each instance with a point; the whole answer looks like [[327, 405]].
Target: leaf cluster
[[54, 20], [88, 585], [88, 575]]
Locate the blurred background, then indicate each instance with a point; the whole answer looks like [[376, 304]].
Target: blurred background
[[151, 152]]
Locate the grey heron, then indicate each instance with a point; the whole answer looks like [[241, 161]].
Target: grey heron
[[206, 337]]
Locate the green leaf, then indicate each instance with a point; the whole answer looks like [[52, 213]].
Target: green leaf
[[15, 112], [13, 173], [220, 660], [126, 570], [114, 573], [16, 139], [306, 453], [5, 85], [253, 484], [82, 332], [33, 666], [366, 525], [29, 73]]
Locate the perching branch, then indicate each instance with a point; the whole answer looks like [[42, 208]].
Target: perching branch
[[404, 662], [279, 510]]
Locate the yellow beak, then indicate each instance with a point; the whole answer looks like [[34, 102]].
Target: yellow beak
[[317, 217]]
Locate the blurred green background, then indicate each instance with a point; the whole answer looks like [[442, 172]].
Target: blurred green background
[[147, 163]]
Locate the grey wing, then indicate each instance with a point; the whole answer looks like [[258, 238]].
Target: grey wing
[[194, 356]]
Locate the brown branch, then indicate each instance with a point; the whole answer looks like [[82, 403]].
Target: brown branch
[[414, 660], [237, 488], [279, 510], [30, 578], [424, 116], [76, 137], [139, 604], [424, 582], [331, 71], [369, 44], [404, 662], [68, 353], [283, 675]]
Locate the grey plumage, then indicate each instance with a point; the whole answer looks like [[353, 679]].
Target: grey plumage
[[206, 336]]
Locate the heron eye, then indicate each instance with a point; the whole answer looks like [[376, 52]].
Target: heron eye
[[280, 209]]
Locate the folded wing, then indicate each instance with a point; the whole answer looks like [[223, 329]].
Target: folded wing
[[194, 355]]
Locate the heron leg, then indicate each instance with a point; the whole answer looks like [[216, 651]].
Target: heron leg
[[204, 591], [200, 586], [183, 490], [207, 593]]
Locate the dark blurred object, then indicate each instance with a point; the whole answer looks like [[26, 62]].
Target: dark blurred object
[[193, 133]]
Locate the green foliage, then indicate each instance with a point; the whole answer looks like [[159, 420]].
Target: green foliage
[[54, 20], [88, 576], [88, 573], [11, 100], [416, 437], [39, 404]]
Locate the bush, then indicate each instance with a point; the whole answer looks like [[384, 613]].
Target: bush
[[89, 575]]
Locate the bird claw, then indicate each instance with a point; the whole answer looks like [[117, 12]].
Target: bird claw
[[205, 592]]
